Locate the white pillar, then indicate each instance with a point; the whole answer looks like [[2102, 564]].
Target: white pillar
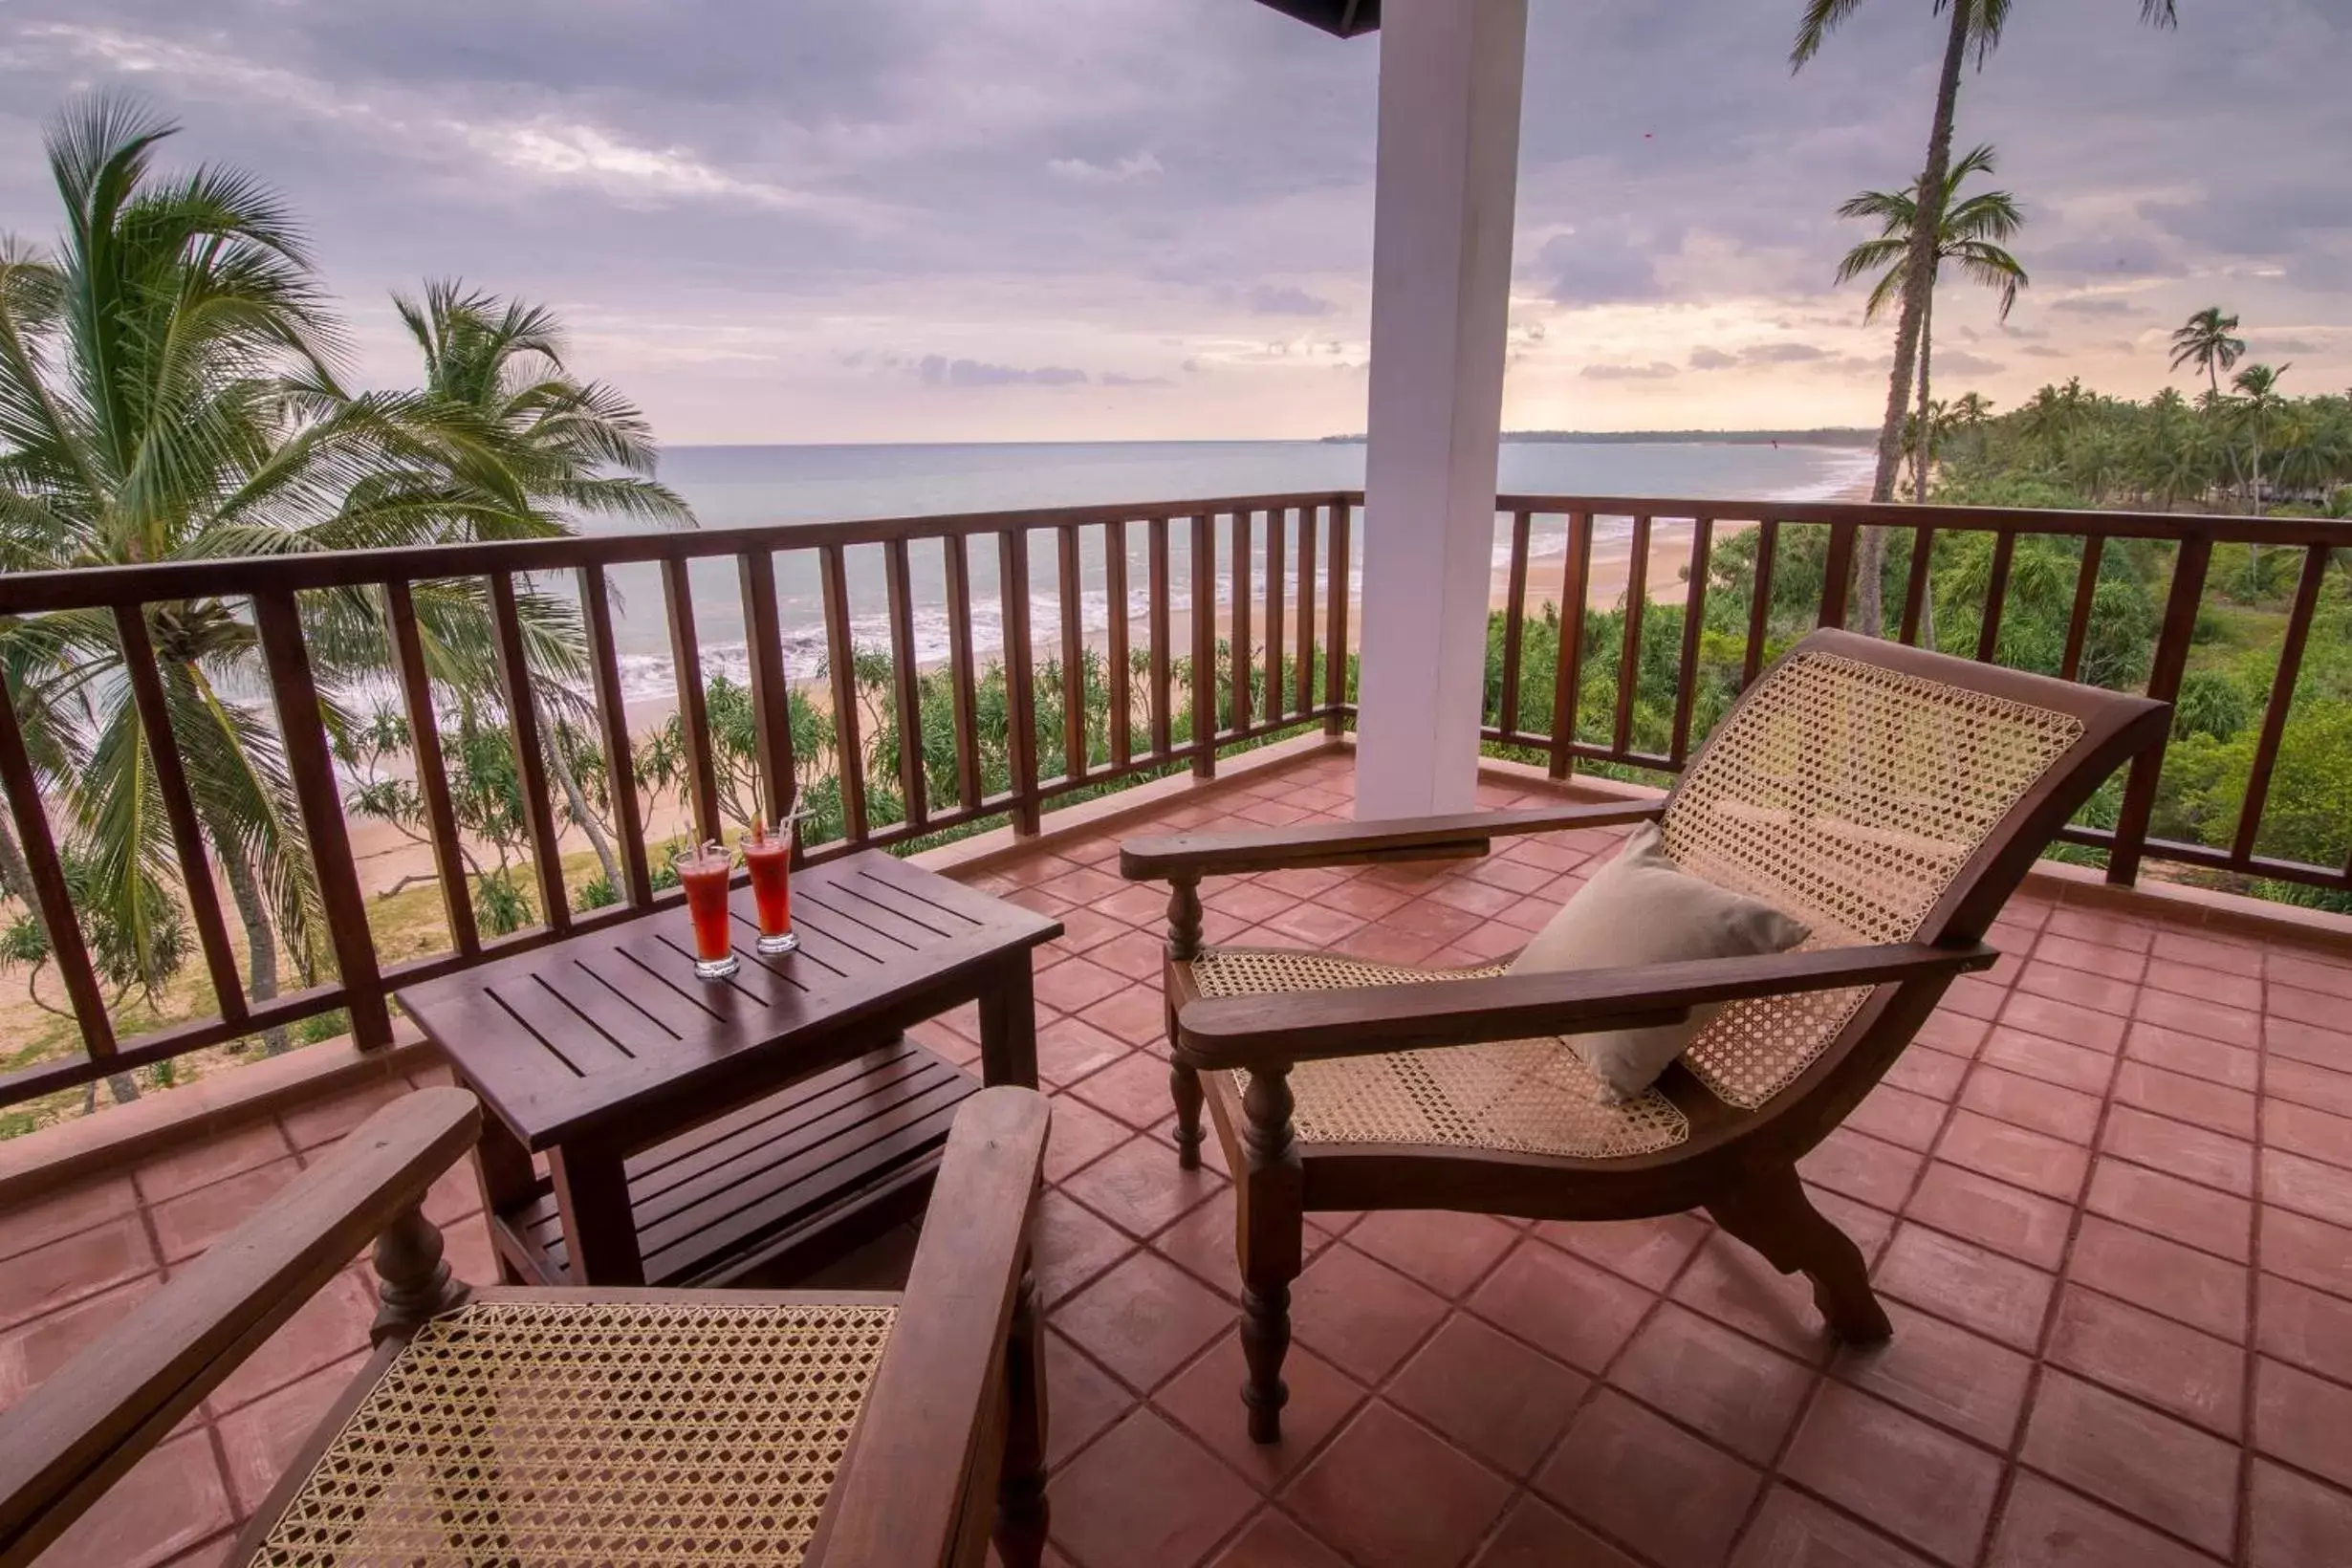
[[1451, 78]]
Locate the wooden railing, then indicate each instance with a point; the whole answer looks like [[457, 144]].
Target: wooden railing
[[1276, 568], [1763, 625], [1279, 665]]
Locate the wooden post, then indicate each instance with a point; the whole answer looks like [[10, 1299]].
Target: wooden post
[[2164, 684], [302, 723]]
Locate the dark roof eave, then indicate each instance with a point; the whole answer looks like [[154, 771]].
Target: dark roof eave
[[1345, 17]]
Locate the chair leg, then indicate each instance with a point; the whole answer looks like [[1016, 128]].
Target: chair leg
[[1772, 1215], [1021, 1506], [1184, 1085], [1273, 1220]]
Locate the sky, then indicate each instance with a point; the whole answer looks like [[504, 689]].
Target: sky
[[987, 220]]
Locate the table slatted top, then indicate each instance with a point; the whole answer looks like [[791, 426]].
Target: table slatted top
[[568, 1036]]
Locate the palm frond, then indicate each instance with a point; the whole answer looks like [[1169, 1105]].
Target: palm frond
[[1820, 19]]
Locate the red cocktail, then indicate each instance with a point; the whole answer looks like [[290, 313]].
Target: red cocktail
[[704, 873], [768, 855]]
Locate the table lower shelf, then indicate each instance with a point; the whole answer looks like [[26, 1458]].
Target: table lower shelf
[[777, 1186]]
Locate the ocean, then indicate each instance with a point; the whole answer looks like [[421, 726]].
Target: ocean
[[732, 485]]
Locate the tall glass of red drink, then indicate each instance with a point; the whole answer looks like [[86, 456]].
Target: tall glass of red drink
[[768, 855], [704, 873]]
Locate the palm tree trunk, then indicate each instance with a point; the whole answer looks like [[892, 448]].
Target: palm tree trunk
[[1926, 429], [260, 937], [1918, 279], [577, 798]]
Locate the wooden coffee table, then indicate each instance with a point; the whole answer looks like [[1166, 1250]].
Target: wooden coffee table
[[698, 1130]]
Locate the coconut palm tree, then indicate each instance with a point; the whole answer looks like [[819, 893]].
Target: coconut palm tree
[[2258, 402], [1973, 228], [1976, 27], [168, 392], [2205, 341], [529, 446]]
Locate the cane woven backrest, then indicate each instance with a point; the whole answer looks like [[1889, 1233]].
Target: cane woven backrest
[[602, 1432], [1520, 1097], [1852, 796]]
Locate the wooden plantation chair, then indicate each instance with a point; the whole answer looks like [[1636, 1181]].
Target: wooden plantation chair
[[1890, 798], [639, 1427]]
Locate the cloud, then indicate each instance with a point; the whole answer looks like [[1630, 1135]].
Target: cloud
[[1139, 166], [2094, 305], [1599, 269], [1959, 362], [2272, 347], [722, 197], [1271, 300], [2047, 351], [938, 370], [1656, 370], [1708, 357], [1114, 378]]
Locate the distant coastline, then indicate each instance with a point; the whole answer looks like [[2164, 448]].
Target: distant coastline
[[1826, 436]]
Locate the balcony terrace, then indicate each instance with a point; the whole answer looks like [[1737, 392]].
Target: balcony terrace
[[2108, 1193]]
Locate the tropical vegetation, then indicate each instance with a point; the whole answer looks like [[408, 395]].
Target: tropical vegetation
[[171, 388], [1975, 28]]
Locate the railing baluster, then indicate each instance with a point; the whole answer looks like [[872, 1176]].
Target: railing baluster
[[2087, 594], [312, 769], [1996, 595], [204, 899], [842, 671], [1915, 585], [1694, 620], [961, 672], [1073, 656], [1761, 604], [1568, 670], [1114, 595], [530, 752], [1205, 646], [432, 770], [1278, 527], [66, 948], [613, 722], [686, 657], [2164, 684], [1020, 677], [906, 682], [1338, 591], [1163, 696], [1240, 659], [1629, 658], [1837, 571], [772, 709], [1308, 522], [1514, 624], [2283, 699]]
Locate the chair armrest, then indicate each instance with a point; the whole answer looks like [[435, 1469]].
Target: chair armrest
[[901, 1492], [1352, 844], [1302, 1025], [74, 1435]]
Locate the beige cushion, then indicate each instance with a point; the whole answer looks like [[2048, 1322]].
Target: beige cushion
[[1641, 908]]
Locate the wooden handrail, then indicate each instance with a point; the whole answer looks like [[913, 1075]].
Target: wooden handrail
[[1308, 536]]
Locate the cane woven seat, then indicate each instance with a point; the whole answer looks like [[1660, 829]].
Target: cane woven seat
[[607, 1432], [1518, 1097], [1850, 795]]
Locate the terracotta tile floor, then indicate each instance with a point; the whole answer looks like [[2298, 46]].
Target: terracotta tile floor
[[2107, 1194]]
